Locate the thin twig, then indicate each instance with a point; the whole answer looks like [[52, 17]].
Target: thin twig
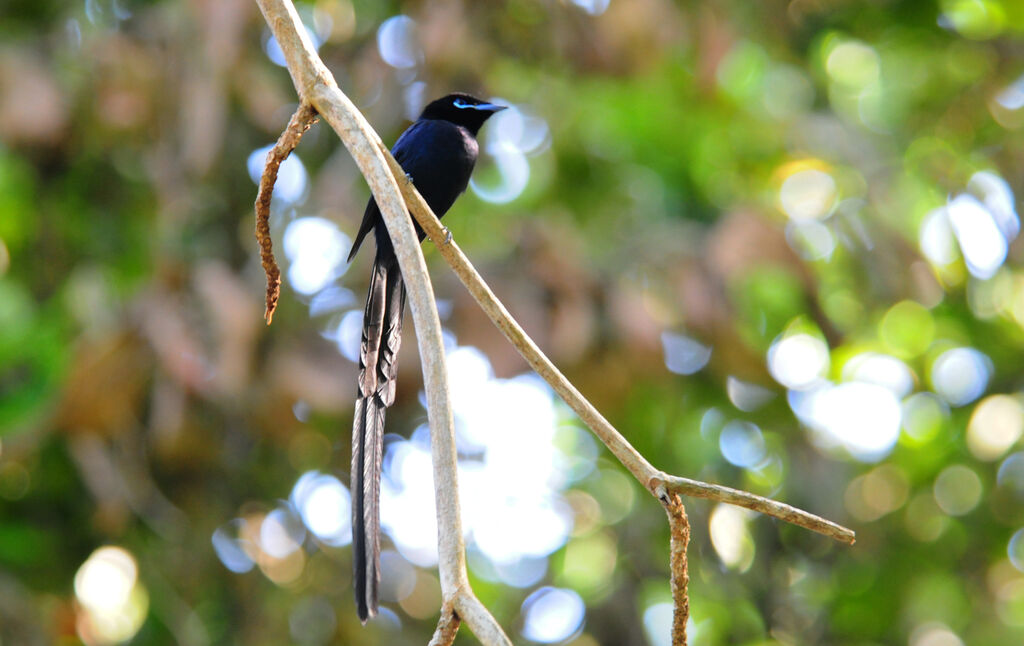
[[304, 117], [747, 500], [679, 529], [608, 434], [447, 627]]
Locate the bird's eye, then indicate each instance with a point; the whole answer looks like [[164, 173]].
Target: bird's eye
[[459, 103]]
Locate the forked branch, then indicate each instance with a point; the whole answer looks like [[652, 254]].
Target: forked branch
[[447, 627], [395, 194]]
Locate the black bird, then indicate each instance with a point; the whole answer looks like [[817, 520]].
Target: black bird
[[438, 152]]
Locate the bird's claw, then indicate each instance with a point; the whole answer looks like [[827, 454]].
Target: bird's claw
[[409, 177], [447, 235]]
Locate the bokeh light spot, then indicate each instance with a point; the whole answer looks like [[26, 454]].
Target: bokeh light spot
[[853, 63], [281, 533], [348, 334], [106, 579], [231, 548], [923, 417], [742, 444], [996, 425], [683, 355], [808, 194], [798, 361], [811, 239], [589, 562], [882, 370], [864, 418], [747, 396], [510, 137], [398, 42], [934, 634], [325, 507], [593, 7], [658, 624], [907, 329], [514, 520], [731, 537], [879, 492], [1015, 549], [317, 250], [1012, 98], [924, 520], [957, 490], [936, 238], [1010, 603], [997, 196], [974, 19], [960, 375], [114, 603], [1011, 474], [981, 240], [552, 615]]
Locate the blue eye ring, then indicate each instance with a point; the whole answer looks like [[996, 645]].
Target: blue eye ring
[[459, 103]]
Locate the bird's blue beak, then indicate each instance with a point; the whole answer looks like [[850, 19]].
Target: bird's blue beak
[[489, 107]]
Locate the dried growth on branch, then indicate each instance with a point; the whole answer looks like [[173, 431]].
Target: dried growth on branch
[[301, 121], [679, 530]]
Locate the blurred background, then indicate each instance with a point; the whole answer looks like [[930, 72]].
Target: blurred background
[[776, 243]]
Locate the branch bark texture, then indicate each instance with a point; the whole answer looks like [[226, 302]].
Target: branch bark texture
[[679, 531]]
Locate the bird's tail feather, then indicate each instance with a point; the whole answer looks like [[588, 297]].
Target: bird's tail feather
[[382, 336]]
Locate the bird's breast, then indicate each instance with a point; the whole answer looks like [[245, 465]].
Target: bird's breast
[[439, 155]]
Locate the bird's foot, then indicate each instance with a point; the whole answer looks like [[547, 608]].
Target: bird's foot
[[447, 235], [409, 177]]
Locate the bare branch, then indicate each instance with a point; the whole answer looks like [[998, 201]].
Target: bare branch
[[304, 117], [747, 500], [616, 443], [679, 528]]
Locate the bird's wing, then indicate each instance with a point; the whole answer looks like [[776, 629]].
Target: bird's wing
[[408, 157]]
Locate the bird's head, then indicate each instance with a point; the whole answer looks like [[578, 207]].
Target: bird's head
[[461, 109]]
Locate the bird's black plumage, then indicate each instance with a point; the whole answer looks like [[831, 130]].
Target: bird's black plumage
[[438, 151]]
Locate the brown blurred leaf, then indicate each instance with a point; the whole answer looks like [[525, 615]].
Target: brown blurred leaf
[[105, 384], [33, 108]]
